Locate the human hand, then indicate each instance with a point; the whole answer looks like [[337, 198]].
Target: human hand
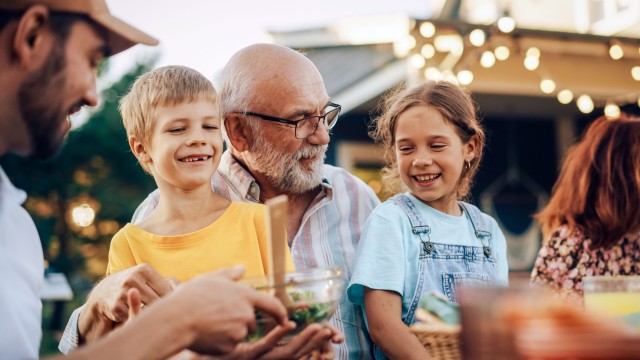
[[220, 312], [107, 302], [314, 342]]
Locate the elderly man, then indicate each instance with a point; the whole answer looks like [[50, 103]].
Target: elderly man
[[49, 56], [277, 119]]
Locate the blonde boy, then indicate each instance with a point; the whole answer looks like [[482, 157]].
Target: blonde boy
[[172, 118]]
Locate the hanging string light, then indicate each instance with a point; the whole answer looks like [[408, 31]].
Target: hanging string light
[[428, 51], [565, 96], [427, 29], [585, 104], [532, 58], [635, 73], [487, 59], [506, 24], [477, 37], [465, 77], [615, 50], [418, 61], [502, 52], [612, 110], [451, 47], [547, 86]]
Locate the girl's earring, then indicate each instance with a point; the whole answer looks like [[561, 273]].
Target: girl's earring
[[468, 165]]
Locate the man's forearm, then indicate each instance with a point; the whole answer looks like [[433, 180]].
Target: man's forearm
[[151, 329]]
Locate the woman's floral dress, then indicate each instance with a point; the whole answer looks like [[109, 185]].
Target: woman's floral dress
[[566, 258]]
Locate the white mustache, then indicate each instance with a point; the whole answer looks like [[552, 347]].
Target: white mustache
[[311, 151]]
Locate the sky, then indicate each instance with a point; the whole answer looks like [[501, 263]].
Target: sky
[[203, 34]]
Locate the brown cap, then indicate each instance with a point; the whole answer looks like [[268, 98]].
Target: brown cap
[[120, 36]]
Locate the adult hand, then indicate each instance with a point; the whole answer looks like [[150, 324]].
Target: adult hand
[[222, 313], [314, 342], [107, 302]]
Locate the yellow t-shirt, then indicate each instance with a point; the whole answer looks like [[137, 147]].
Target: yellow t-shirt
[[238, 236]]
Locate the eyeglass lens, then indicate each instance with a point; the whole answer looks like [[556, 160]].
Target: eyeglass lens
[[309, 125]]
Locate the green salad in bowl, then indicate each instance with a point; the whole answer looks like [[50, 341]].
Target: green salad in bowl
[[313, 298]]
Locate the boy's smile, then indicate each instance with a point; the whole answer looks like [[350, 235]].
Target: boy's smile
[[195, 158]]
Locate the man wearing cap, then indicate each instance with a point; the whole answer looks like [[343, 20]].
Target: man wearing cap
[[49, 55]]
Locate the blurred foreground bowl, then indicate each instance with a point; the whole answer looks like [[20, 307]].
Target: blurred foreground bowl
[[313, 294]]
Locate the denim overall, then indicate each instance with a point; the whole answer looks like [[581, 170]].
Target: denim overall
[[443, 267]]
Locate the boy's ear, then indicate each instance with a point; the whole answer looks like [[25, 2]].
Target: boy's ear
[[32, 37], [237, 131], [139, 150]]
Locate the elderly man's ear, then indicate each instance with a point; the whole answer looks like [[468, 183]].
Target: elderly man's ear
[[238, 132]]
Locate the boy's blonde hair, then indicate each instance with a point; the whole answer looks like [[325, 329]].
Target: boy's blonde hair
[[455, 105], [165, 86]]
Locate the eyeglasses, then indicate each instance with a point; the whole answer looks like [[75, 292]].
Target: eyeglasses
[[308, 125]]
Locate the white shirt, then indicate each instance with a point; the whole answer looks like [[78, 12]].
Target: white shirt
[[21, 276]]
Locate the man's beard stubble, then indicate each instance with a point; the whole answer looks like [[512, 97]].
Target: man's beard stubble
[[284, 170], [42, 113]]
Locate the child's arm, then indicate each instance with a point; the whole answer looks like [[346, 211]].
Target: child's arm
[[384, 316]]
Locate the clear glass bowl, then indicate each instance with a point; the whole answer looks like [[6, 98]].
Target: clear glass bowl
[[313, 298]]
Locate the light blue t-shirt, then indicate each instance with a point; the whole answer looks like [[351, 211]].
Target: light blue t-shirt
[[387, 255]]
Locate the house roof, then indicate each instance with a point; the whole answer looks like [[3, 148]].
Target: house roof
[[355, 74]]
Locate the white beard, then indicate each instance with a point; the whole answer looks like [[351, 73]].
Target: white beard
[[284, 170]]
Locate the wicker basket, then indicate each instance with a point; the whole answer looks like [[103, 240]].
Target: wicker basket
[[442, 341]]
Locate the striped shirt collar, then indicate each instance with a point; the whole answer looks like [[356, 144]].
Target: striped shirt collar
[[247, 187]]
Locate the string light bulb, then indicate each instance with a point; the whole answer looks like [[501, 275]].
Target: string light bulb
[[427, 29], [502, 52], [428, 51], [635, 73], [615, 51], [612, 110], [547, 86], [585, 104], [565, 96], [477, 37], [532, 58], [533, 52], [506, 24], [488, 59], [465, 77], [417, 61], [531, 63]]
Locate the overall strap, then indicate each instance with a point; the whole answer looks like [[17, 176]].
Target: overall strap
[[418, 225], [479, 226]]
